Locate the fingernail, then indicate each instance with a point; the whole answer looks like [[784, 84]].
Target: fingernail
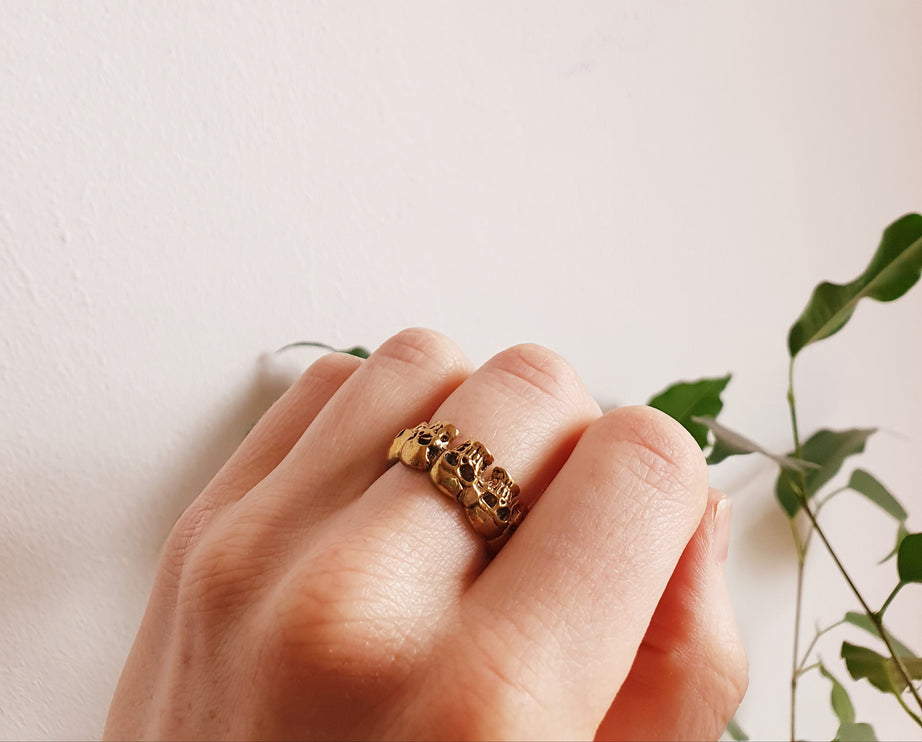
[[720, 536]]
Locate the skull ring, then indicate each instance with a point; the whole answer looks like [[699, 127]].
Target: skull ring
[[490, 502]]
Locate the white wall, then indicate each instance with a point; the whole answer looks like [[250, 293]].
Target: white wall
[[652, 189]]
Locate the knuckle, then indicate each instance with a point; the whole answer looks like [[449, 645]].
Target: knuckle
[[533, 371], [330, 369], [424, 349], [183, 537], [222, 573]]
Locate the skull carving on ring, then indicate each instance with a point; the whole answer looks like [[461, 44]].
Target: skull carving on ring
[[457, 472], [419, 447], [496, 513]]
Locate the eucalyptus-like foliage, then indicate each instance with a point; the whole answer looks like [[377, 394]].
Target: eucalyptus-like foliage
[[863, 622], [865, 484], [687, 400], [806, 471], [893, 270], [909, 558], [881, 672], [828, 449]]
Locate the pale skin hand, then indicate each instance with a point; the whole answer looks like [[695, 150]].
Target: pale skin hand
[[310, 592]]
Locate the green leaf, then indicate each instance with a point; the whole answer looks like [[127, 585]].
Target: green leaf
[[866, 663], [722, 450], [730, 443], [686, 399], [868, 486], [787, 496], [909, 558], [863, 622], [829, 449], [853, 732], [881, 672], [735, 731], [356, 350], [893, 270], [901, 533], [841, 703]]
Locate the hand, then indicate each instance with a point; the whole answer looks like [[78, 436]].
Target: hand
[[312, 592]]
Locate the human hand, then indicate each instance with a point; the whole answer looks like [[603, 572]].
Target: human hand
[[311, 592]]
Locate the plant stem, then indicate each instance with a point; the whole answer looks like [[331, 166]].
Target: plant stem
[[874, 617], [793, 408], [805, 670], [800, 668], [821, 503], [306, 344], [889, 600], [908, 710], [801, 558], [794, 674]]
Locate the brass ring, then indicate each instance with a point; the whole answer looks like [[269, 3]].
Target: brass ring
[[489, 502]]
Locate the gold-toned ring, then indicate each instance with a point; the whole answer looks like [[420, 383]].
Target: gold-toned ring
[[419, 447], [489, 502]]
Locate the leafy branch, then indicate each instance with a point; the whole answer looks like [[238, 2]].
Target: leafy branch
[[894, 269]]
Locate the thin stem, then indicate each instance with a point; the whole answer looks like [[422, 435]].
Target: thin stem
[[805, 670], [889, 600], [819, 506], [794, 675], [801, 547], [807, 538], [793, 408], [821, 503], [306, 344], [908, 710], [875, 618], [816, 638]]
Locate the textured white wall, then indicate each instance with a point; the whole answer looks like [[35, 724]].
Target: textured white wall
[[652, 189]]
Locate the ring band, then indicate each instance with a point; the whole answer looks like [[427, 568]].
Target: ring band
[[489, 502]]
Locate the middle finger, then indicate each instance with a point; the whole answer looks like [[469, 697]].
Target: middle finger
[[529, 407]]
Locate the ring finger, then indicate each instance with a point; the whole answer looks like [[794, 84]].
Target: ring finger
[[530, 408]]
